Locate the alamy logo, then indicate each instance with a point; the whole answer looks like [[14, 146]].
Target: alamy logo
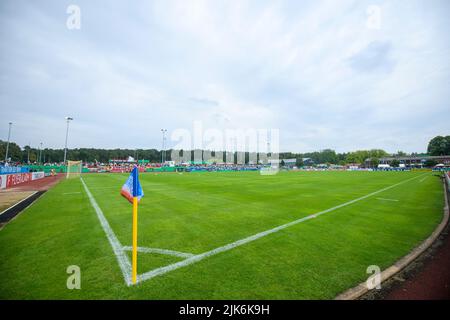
[[373, 17], [74, 279], [374, 281], [239, 146], [73, 21]]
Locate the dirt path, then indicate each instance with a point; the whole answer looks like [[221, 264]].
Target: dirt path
[[15, 199], [8, 199]]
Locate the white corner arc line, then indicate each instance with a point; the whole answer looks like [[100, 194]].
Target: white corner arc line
[[160, 251], [122, 258], [196, 258]]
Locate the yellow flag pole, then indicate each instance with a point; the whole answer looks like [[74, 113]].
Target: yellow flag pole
[[134, 255]]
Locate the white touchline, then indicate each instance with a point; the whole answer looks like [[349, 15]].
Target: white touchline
[[385, 199], [122, 258], [201, 256]]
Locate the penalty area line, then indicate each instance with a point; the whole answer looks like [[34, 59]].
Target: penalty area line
[[196, 258]]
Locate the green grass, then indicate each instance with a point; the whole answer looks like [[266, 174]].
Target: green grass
[[197, 212]]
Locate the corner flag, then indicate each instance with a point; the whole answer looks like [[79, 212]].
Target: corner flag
[[132, 191], [132, 187]]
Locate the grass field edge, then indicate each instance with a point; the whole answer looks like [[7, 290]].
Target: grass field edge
[[362, 288], [199, 257]]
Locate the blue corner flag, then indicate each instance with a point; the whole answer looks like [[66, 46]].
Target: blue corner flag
[[132, 187]]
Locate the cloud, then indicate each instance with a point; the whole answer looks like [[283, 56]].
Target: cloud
[[374, 57], [204, 102], [312, 69]]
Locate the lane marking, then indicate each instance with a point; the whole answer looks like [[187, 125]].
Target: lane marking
[[196, 258], [161, 251], [122, 258], [386, 199]]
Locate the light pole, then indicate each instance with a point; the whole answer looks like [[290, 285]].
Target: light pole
[[7, 144], [40, 152], [28, 155], [67, 135], [163, 142]]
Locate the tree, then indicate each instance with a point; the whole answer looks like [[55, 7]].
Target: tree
[[430, 163], [374, 162], [14, 151], [439, 146], [358, 156], [395, 163], [400, 154]]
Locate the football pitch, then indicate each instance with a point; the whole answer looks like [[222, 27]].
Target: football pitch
[[211, 235]]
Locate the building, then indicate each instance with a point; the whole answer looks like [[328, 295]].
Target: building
[[290, 163], [415, 161]]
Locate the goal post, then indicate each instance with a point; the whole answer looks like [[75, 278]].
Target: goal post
[[73, 169]]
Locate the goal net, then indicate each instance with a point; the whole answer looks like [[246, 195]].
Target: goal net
[[73, 169]]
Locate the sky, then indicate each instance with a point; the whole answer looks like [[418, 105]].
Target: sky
[[345, 75]]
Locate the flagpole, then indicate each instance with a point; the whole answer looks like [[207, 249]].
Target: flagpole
[[133, 192], [134, 255]]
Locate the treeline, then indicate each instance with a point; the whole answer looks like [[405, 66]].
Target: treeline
[[47, 155], [437, 146], [331, 157], [18, 154]]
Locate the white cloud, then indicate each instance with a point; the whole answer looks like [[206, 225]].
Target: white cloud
[[312, 69]]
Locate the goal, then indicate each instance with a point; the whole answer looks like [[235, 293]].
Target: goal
[[73, 169]]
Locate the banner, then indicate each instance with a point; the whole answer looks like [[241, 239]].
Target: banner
[[15, 179], [11, 170], [37, 175], [3, 181], [119, 170], [11, 180]]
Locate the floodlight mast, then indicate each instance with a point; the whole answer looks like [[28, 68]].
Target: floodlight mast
[[7, 144], [28, 154], [163, 152], [40, 153], [67, 135]]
